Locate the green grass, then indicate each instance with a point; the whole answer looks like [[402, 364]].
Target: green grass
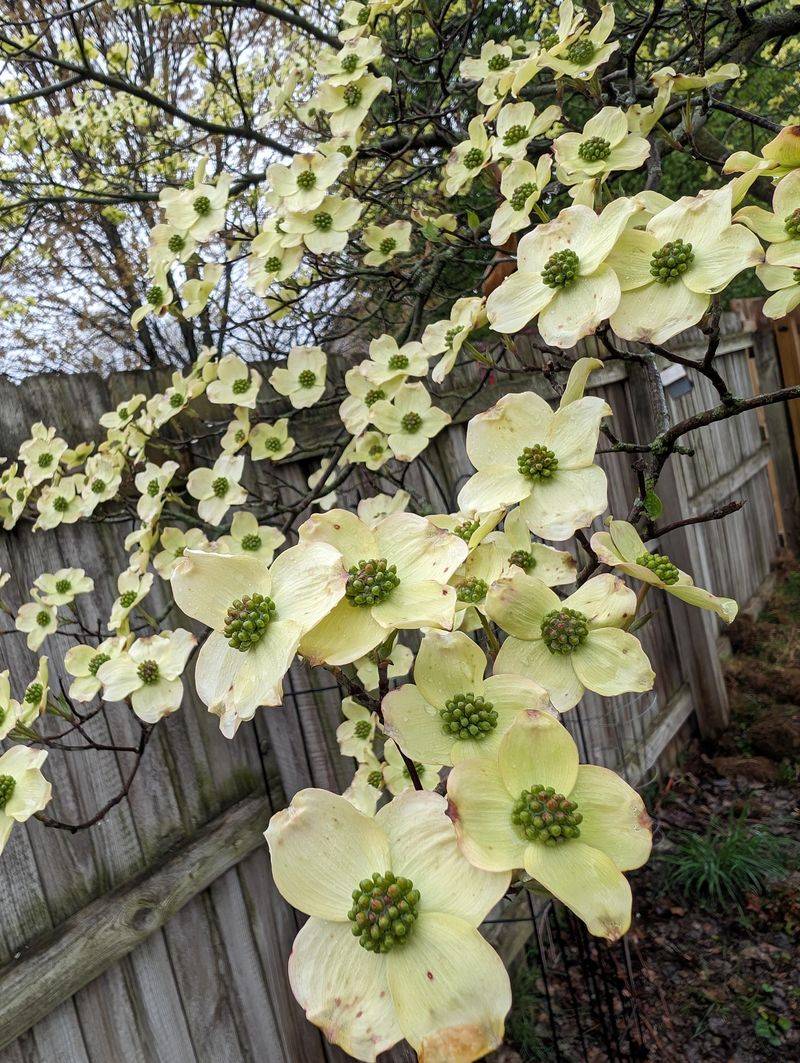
[[731, 859]]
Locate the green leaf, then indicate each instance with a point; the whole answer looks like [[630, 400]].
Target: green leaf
[[473, 221], [653, 504]]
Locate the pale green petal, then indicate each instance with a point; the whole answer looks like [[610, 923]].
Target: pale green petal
[[343, 530], [417, 605], [576, 381], [571, 500], [416, 726], [498, 436], [493, 487], [448, 663], [347, 633], [576, 311], [204, 584], [307, 582], [626, 540], [511, 694], [631, 258], [450, 989], [609, 123], [423, 847], [716, 265], [480, 806], [574, 430], [519, 603], [343, 989], [612, 662], [420, 550], [552, 670], [538, 750], [725, 608], [764, 223], [604, 600], [587, 881], [321, 848], [615, 820], [517, 301], [782, 303], [656, 312]]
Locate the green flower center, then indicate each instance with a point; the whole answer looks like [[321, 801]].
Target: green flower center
[[96, 662], [148, 672], [153, 488], [796, 276], [251, 541], [123, 413], [468, 716], [363, 729], [306, 180], [549, 40], [521, 194], [273, 444], [473, 158], [466, 529], [20, 496], [98, 486], [371, 582], [411, 422], [542, 815], [581, 52], [220, 486], [564, 630], [498, 63], [2, 715], [273, 264], [176, 243], [451, 334], [352, 95], [155, 295], [43, 618], [671, 260], [7, 784], [523, 559], [387, 245], [247, 620], [375, 779], [323, 221], [419, 768], [594, 149], [661, 566], [176, 400], [375, 450], [307, 379], [514, 134], [63, 586], [561, 269], [202, 206], [241, 386], [240, 435], [398, 361], [537, 462], [363, 16], [384, 911], [127, 599], [349, 62], [45, 461], [792, 224], [472, 590], [34, 693], [373, 396], [61, 505]]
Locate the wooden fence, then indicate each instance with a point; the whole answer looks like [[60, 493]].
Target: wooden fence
[[158, 935]]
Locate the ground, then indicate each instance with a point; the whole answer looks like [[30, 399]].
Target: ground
[[714, 978]]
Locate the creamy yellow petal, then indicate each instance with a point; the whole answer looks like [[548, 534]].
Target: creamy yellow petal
[[604, 600], [518, 604], [448, 663], [538, 750], [612, 662], [204, 584], [556, 508], [615, 820], [480, 807], [347, 633], [416, 725]]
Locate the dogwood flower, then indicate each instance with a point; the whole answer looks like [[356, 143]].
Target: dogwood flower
[[236, 383], [517, 124], [371, 449], [41, 454], [621, 547], [357, 734], [524, 452], [258, 614], [573, 827], [471, 527], [494, 68], [103, 476], [151, 483], [303, 184], [9, 707], [198, 212], [132, 587], [217, 488], [63, 586], [149, 673], [38, 619], [386, 241], [348, 105], [366, 786], [351, 62], [467, 159], [409, 420], [693, 82], [249, 537], [485, 564], [327, 228], [23, 788], [669, 270], [366, 980], [37, 692], [579, 54], [372, 510], [158, 298], [521, 186], [123, 414], [447, 337], [397, 579], [450, 712], [302, 379], [60, 503], [356, 410], [196, 291], [168, 245], [389, 362], [400, 658], [553, 567], [604, 145], [238, 431], [271, 442], [175, 542], [83, 662], [271, 261], [784, 283], [570, 644], [562, 276]]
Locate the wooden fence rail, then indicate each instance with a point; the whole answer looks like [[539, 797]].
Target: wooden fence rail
[[158, 935]]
